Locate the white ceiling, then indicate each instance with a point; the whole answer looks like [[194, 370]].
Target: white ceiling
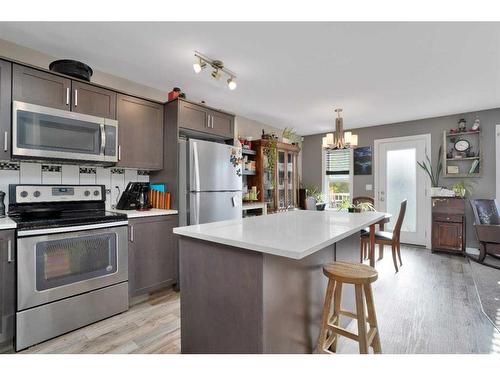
[[294, 74]]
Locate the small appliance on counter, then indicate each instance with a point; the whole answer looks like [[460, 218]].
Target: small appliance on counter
[[135, 197], [2, 204]]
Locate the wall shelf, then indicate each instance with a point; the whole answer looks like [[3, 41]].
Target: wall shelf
[[462, 163], [246, 151]]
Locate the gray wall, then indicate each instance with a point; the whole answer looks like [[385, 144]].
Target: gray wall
[[482, 187]]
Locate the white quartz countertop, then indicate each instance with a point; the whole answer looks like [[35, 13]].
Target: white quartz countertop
[[132, 214], [292, 234], [7, 223]]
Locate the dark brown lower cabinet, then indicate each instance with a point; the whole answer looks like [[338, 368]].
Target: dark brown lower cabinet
[[7, 289], [153, 254], [448, 225]]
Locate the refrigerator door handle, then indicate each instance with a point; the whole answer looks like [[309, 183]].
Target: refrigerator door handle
[[196, 169]]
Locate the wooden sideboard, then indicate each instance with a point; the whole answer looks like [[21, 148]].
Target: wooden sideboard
[[448, 224]]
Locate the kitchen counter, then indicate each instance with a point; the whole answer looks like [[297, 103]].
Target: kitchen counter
[[133, 214], [7, 223], [292, 234], [255, 285]]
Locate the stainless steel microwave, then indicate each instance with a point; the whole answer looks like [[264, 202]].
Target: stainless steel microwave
[[50, 133]]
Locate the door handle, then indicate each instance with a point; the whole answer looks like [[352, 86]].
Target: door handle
[[131, 233], [76, 97], [119, 152], [103, 138], [9, 252], [6, 141], [67, 95]]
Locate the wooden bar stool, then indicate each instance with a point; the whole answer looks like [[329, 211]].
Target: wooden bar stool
[[361, 276]]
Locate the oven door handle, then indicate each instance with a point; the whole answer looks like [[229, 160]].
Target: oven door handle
[[77, 228]]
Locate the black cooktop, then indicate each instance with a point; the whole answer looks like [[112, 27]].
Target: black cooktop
[[39, 219]]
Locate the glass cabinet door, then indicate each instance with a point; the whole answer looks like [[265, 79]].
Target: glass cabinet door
[[281, 180], [290, 180], [268, 181]]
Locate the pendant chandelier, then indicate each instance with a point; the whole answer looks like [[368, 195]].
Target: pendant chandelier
[[340, 139]]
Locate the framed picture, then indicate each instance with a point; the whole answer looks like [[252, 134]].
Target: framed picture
[[362, 161]]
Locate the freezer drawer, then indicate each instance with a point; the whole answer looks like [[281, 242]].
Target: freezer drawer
[[207, 207]]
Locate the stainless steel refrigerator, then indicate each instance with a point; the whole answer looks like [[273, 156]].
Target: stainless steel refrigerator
[[210, 182]]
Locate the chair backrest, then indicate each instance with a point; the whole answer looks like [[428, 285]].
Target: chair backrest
[[401, 217], [486, 211], [359, 200]]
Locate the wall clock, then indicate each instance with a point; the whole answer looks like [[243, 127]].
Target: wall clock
[[462, 145]]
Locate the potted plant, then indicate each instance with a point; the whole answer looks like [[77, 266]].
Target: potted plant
[[314, 194], [461, 189], [433, 174], [346, 204], [291, 137]]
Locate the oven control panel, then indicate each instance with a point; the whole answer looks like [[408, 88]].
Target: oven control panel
[[58, 193]]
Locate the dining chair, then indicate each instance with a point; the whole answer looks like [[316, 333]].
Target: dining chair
[[383, 238], [358, 200]]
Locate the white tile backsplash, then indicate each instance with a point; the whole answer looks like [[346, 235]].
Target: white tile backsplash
[[117, 186], [31, 173], [70, 174], [8, 177], [103, 177]]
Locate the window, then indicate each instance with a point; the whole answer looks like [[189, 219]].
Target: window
[[337, 176]]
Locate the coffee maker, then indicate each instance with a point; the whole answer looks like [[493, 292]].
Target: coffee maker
[[135, 197]]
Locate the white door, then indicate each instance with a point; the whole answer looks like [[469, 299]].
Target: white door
[[398, 177]]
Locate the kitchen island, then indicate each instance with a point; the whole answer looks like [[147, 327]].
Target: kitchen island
[[255, 285]]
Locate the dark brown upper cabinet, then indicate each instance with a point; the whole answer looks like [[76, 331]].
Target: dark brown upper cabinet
[[194, 117], [202, 119], [93, 100], [5, 112], [42, 88], [140, 133], [222, 124]]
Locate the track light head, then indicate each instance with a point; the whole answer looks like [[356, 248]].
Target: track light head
[[216, 73], [231, 83], [199, 65]]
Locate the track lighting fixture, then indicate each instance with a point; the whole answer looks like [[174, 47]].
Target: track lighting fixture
[[202, 61]]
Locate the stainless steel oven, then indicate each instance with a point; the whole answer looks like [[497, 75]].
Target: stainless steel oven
[[52, 266], [69, 277], [44, 132]]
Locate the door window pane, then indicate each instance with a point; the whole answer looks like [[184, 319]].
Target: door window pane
[[402, 184], [66, 261]]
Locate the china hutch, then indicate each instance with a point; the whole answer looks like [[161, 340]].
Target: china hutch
[[277, 174]]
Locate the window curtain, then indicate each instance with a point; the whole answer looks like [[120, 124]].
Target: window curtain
[[338, 162]]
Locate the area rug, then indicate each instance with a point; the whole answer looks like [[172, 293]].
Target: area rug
[[487, 281]]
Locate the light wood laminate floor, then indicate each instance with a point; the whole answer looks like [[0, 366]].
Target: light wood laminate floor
[[430, 306]]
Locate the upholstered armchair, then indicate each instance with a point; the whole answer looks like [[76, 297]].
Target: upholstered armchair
[[487, 225]]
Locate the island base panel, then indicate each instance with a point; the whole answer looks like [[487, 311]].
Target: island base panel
[[235, 300]]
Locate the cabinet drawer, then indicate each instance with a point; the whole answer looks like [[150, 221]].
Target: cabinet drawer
[[448, 218], [448, 206]]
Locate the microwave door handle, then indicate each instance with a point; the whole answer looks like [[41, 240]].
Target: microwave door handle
[[103, 139]]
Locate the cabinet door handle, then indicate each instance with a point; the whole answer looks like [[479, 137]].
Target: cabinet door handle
[[131, 233], [67, 95], [212, 117], [119, 152], [9, 251], [6, 141], [208, 121], [76, 98]]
